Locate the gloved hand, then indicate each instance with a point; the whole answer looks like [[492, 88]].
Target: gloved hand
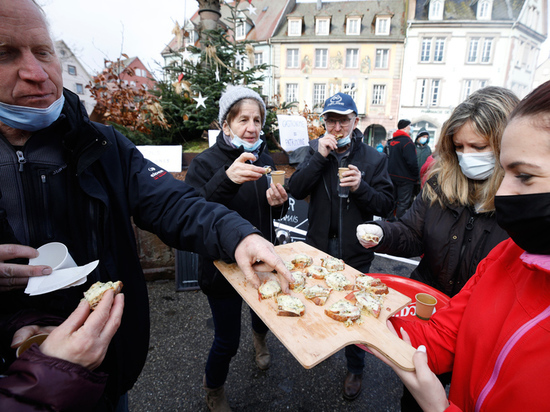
[[369, 235]]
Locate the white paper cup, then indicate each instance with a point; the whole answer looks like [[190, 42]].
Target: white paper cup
[[55, 254]]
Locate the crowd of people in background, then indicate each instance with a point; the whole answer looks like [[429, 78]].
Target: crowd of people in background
[[476, 210]]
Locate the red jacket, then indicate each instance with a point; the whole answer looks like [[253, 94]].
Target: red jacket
[[494, 335]]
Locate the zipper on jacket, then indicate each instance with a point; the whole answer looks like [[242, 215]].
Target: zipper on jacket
[[20, 159], [45, 204]]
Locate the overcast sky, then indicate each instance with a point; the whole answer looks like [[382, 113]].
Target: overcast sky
[[100, 29]]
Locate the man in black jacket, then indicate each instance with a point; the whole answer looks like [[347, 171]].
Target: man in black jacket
[[334, 218], [64, 178], [403, 167]]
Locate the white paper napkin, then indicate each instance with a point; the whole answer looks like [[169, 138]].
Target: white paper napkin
[[60, 279]]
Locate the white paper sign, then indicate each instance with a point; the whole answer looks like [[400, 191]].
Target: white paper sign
[[167, 157], [292, 131], [212, 136]]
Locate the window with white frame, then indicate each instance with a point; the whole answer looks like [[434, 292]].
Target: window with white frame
[[239, 63], [352, 58], [240, 30], [428, 92], [378, 94], [71, 70], [432, 49], [383, 25], [353, 26], [319, 94], [258, 59], [291, 95], [533, 15], [435, 11], [382, 58], [484, 9], [434, 93], [471, 85], [351, 89], [292, 58], [321, 58], [439, 49], [322, 26], [79, 88], [294, 27], [480, 50]]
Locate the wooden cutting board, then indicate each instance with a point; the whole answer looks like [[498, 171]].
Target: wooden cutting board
[[314, 336]]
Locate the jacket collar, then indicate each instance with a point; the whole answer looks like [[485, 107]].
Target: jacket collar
[[400, 133]]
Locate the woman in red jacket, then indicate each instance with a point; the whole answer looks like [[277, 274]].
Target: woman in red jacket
[[494, 335]]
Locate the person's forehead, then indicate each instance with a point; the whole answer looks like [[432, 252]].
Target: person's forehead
[[21, 21]]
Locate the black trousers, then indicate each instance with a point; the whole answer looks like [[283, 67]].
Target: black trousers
[[403, 195]]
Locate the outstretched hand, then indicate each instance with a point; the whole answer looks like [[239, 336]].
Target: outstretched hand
[[255, 250], [422, 383]]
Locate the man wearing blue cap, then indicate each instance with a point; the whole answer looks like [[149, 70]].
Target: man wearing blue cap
[[333, 213]]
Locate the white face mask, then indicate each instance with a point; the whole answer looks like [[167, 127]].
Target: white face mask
[[476, 166]]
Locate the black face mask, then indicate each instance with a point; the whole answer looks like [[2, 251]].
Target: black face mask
[[526, 219]]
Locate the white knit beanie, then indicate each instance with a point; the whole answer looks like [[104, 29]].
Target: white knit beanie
[[232, 95]]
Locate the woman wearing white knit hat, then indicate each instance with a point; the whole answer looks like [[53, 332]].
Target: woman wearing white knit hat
[[232, 172]]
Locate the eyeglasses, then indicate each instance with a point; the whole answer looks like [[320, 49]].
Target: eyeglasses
[[343, 122]]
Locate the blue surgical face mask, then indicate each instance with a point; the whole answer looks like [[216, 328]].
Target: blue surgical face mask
[[345, 140], [30, 119], [423, 140], [248, 147]]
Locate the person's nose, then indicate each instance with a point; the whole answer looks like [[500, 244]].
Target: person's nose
[[31, 69], [338, 126]]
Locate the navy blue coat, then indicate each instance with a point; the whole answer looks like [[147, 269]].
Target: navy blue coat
[[102, 183]]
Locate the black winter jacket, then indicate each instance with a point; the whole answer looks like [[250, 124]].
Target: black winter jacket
[[207, 173], [101, 183], [452, 240], [402, 162], [317, 177]]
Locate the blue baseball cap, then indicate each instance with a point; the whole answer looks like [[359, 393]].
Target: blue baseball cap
[[340, 103]]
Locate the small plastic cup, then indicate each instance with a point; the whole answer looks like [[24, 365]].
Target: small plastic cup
[[425, 305], [38, 339], [55, 254], [343, 191], [278, 176]]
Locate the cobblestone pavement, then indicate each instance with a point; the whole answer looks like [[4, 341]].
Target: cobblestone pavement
[[181, 335]]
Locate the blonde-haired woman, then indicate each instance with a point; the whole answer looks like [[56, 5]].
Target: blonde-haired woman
[[452, 223]]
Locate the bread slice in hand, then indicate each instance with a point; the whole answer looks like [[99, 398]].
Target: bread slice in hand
[[289, 306], [299, 281], [96, 291]]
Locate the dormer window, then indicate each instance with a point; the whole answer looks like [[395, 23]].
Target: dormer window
[[240, 30], [322, 26], [484, 9], [294, 27], [383, 25], [436, 10], [353, 26]]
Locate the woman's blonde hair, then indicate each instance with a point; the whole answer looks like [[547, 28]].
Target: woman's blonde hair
[[486, 110]]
